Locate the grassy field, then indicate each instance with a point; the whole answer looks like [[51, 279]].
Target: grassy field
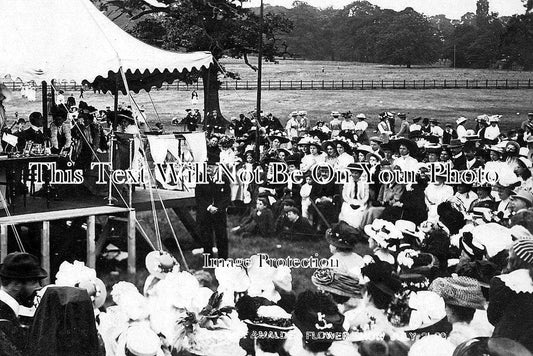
[[445, 105], [312, 70]]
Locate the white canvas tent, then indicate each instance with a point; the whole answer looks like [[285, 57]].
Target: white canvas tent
[[44, 40]]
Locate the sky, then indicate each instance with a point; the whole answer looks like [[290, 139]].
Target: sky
[[453, 9]]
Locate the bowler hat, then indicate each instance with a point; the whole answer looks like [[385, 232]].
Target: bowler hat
[[21, 265]]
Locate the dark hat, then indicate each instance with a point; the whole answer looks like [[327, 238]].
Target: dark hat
[[21, 265], [380, 275], [314, 312], [402, 115], [282, 139], [344, 142], [321, 135], [455, 143], [289, 202], [491, 347], [356, 167], [213, 157], [36, 119], [339, 238], [293, 159], [294, 210], [410, 144], [417, 119]]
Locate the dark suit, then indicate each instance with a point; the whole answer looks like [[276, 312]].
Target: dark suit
[[459, 163], [218, 195], [30, 134], [11, 327]]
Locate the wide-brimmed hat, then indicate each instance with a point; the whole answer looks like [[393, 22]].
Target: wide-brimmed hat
[[355, 167], [363, 149], [159, 263], [22, 266], [410, 144], [460, 120], [384, 233], [270, 318], [338, 237], [361, 116], [428, 309], [460, 291], [525, 196], [524, 250], [280, 137], [335, 114], [381, 276], [344, 142], [402, 115], [433, 148], [455, 143], [376, 139], [494, 118], [336, 282], [407, 227], [141, 340], [36, 119], [316, 316], [375, 155]]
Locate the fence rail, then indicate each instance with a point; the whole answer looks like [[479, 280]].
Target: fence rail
[[330, 84]]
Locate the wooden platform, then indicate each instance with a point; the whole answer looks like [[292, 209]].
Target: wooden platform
[[140, 202], [87, 206]]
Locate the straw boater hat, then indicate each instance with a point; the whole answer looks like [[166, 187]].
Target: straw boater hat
[[402, 115], [363, 149], [361, 116], [460, 291], [494, 118], [460, 120], [270, 318], [336, 282]]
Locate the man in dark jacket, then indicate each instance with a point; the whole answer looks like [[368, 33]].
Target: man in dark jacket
[[190, 121], [214, 123], [20, 275], [212, 199], [293, 226]]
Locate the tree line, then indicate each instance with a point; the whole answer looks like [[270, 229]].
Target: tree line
[[364, 32]]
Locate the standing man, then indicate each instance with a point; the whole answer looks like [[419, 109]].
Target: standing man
[[461, 130], [291, 128], [21, 277], [212, 199], [404, 126], [190, 121]]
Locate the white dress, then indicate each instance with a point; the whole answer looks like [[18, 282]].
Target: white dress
[[436, 194], [354, 217], [305, 192]]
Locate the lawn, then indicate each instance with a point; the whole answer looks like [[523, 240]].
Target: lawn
[[312, 70], [445, 105]]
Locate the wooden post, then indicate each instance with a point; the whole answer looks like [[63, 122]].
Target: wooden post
[[131, 245], [44, 92], [3, 242], [45, 250], [91, 241]]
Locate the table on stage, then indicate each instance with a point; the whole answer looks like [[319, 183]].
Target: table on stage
[[17, 174]]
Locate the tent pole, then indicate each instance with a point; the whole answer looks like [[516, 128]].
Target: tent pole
[[44, 92]]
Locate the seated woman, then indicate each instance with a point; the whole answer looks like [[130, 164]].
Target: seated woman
[[355, 196], [259, 222]]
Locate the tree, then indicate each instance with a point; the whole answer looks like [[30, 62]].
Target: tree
[[222, 27], [407, 39], [482, 12], [517, 42]]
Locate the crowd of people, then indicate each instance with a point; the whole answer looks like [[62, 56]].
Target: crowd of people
[[451, 265], [449, 272]]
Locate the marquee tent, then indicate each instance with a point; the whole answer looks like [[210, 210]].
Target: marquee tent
[[44, 40]]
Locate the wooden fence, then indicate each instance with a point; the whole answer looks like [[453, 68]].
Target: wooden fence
[[331, 84]]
